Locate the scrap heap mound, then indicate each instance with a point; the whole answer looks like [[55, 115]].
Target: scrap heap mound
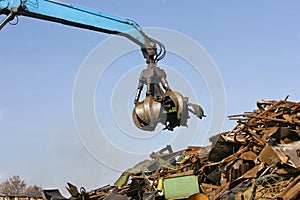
[[258, 159]]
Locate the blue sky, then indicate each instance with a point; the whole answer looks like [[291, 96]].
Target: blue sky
[[254, 44]]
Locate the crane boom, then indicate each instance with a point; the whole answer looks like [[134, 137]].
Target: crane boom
[[82, 18]]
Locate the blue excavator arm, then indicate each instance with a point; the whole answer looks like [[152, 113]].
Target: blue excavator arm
[[82, 18], [161, 105]]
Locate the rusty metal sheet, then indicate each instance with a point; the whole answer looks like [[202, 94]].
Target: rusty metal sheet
[[252, 173], [214, 176], [266, 134], [248, 155], [282, 153], [234, 156], [291, 152], [269, 156], [222, 146]]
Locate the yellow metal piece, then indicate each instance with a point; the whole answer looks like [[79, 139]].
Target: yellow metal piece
[[160, 184], [198, 196]]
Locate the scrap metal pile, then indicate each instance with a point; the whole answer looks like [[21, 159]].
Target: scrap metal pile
[[258, 159]]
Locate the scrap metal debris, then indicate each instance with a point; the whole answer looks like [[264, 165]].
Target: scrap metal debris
[[258, 159]]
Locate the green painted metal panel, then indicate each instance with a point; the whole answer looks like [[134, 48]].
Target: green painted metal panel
[[180, 187]]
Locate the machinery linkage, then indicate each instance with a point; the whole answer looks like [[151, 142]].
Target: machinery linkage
[[161, 104]]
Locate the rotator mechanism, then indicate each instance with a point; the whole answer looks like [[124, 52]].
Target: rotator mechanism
[[161, 104]]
